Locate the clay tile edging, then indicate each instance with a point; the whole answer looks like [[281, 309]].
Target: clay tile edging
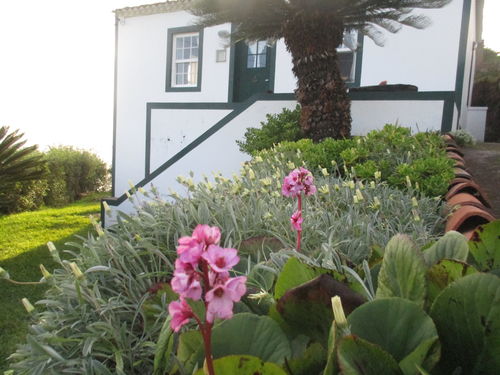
[[467, 218], [470, 187]]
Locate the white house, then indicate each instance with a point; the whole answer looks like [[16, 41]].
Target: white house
[[183, 95]]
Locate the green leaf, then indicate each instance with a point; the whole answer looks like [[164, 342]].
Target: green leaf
[[251, 334], [467, 317], [243, 365], [425, 355], [452, 245], [190, 351], [403, 271], [485, 246], [359, 357], [331, 364], [307, 308], [294, 273], [395, 324], [163, 349], [312, 361], [440, 275]]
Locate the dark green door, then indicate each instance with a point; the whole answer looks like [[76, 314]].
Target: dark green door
[[252, 69]]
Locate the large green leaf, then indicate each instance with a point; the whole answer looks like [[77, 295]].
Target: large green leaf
[[440, 275], [359, 357], [243, 365], [295, 273], [312, 361], [425, 356], [397, 325], [251, 334], [452, 245], [467, 316], [307, 308], [485, 246], [190, 352], [403, 271]]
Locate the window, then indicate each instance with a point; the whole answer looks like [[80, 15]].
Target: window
[[257, 54], [185, 72], [347, 57], [184, 58]]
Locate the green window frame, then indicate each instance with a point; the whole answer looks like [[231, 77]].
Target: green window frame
[[184, 59]]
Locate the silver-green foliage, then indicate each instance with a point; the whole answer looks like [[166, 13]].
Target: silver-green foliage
[[108, 320]]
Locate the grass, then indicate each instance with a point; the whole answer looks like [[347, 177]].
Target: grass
[[23, 239]]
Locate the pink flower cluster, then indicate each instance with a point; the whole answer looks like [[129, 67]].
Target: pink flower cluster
[[202, 272], [299, 180]]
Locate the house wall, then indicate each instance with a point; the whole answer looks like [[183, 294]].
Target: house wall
[[141, 78]]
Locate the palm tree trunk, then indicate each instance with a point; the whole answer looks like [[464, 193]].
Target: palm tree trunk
[[312, 39]]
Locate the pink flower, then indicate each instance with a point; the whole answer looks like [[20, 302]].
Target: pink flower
[[222, 297], [180, 313], [206, 234], [298, 181], [187, 285], [220, 259], [297, 220], [189, 250]]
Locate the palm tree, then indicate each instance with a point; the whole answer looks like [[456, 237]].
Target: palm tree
[[312, 30], [18, 163]]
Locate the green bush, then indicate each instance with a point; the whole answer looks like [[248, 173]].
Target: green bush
[[277, 128], [392, 151], [73, 173], [463, 138], [108, 319]]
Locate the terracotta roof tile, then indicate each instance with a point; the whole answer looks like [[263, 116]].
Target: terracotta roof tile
[[147, 9]]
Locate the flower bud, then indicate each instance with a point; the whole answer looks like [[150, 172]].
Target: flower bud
[[107, 209], [53, 251], [324, 189], [408, 181], [414, 202], [290, 165], [4, 274], [258, 159], [251, 174], [377, 175], [27, 305], [324, 171], [46, 274], [359, 195], [76, 271], [338, 313]]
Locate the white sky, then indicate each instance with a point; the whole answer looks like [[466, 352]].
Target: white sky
[[57, 63]]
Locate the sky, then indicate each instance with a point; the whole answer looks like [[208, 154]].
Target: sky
[[57, 66]]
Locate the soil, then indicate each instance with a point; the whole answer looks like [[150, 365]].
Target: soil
[[483, 162]]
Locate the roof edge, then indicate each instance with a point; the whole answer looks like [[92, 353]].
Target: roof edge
[[156, 8]]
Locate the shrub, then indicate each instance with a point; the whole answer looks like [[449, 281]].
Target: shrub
[[74, 173], [277, 128], [392, 151], [463, 138], [108, 318]]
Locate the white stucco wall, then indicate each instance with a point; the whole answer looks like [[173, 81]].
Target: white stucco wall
[[174, 129], [418, 115]]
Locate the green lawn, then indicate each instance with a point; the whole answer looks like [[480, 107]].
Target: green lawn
[[23, 239]]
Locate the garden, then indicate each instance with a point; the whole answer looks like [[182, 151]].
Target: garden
[[317, 258]]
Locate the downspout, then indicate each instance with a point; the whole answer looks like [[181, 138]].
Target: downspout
[[115, 85]]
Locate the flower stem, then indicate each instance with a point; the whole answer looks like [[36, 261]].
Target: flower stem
[[206, 329], [299, 232]]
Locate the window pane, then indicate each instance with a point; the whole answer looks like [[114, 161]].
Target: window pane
[[187, 42], [194, 52], [261, 46], [346, 61], [192, 73], [194, 41], [178, 53], [187, 53], [251, 61], [180, 79], [252, 48], [261, 62]]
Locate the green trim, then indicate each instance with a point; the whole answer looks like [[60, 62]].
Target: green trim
[[168, 78], [462, 51], [447, 118], [232, 55], [272, 66], [359, 62]]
